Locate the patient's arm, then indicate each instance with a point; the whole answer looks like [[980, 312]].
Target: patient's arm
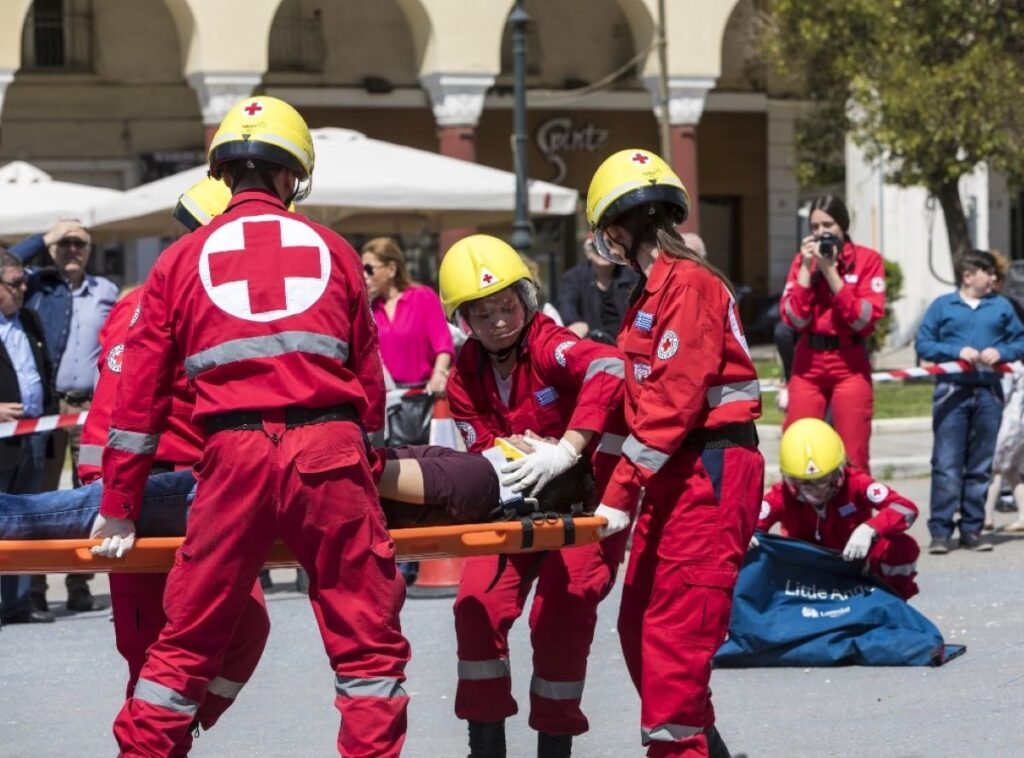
[[402, 480]]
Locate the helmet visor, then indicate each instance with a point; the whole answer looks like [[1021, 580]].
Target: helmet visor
[[605, 250], [814, 491]]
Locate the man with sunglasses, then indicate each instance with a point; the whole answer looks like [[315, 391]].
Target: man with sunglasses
[[72, 306], [25, 392], [824, 500]]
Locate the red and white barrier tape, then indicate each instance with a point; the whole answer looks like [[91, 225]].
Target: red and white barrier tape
[[41, 424], [952, 367]]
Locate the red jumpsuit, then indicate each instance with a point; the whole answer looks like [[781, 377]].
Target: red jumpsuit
[[268, 312], [559, 382], [831, 366], [893, 556], [137, 599], [691, 397]]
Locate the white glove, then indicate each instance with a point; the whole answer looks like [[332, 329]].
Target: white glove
[[118, 535], [617, 520], [859, 543], [533, 471], [754, 542]]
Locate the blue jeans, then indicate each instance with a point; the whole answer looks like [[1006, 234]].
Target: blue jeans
[[26, 477], [965, 422], [68, 514]]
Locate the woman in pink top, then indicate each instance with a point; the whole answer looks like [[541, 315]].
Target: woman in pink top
[[415, 343]]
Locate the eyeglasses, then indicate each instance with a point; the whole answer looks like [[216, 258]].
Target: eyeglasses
[[369, 268], [72, 242], [17, 284]]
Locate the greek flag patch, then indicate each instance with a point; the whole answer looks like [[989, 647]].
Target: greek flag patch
[[847, 510], [643, 321], [546, 396]]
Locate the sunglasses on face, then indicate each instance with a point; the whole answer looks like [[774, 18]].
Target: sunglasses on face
[[15, 284], [369, 269], [73, 242]]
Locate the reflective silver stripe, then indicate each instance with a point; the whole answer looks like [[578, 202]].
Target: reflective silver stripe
[[732, 393], [865, 315], [610, 444], [908, 514], [133, 442], [614, 366], [901, 569], [90, 455], [798, 322], [225, 688], [384, 687], [474, 671], [164, 697], [642, 455], [556, 690], [266, 347], [668, 733]]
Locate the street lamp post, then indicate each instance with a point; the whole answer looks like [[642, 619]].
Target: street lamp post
[[522, 237]]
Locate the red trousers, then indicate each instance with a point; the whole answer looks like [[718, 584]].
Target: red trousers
[[894, 561], [137, 602], [840, 380], [570, 584], [311, 487], [695, 523]]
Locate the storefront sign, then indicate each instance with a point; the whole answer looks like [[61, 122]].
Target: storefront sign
[[558, 135]]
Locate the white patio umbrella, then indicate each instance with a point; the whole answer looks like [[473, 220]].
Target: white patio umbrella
[[360, 184], [31, 200]]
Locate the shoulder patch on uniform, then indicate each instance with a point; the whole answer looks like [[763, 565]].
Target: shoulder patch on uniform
[[561, 349], [135, 316], [669, 345], [851, 278], [766, 510], [467, 431], [877, 492], [877, 284], [546, 396], [641, 371], [644, 321], [114, 358], [847, 510]]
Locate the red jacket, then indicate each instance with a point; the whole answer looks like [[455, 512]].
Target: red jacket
[[181, 442], [266, 310], [855, 309], [854, 504], [559, 382], [687, 368]]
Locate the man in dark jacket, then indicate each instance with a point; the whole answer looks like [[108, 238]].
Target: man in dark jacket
[[25, 392], [592, 297]]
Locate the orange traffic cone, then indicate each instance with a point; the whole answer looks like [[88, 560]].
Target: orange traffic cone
[[438, 577]]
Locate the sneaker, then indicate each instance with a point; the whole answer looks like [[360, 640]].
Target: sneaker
[[80, 599], [975, 541], [988, 526], [782, 398], [939, 546]]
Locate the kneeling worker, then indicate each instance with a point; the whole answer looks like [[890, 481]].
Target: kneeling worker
[[824, 500]]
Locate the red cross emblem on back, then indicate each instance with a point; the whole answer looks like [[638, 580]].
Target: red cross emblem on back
[[263, 264], [253, 108], [640, 158]]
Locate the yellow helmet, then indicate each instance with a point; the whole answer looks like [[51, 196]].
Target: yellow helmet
[[266, 129], [810, 449], [201, 202], [479, 266]]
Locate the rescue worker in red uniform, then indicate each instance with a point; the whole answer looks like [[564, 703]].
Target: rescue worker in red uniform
[[521, 377], [268, 313], [824, 500], [690, 459], [834, 297], [137, 599]]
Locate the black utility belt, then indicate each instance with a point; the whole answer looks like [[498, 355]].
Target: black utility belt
[[293, 416], [731, 435], [831, 342], [75, 398]]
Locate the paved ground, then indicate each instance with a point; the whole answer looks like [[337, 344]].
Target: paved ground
[[61, 684]]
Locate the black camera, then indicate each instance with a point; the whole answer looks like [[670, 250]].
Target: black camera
[[828, 243]]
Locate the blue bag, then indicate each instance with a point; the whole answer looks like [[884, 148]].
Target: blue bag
[[797, 604]]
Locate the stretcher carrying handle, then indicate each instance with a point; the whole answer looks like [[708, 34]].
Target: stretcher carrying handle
[[156, 554]]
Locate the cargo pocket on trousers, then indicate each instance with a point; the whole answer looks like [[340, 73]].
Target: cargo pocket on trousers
[[707, 604], [336, 481], [177, 584]]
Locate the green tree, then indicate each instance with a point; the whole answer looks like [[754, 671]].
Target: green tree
[[933, 87]]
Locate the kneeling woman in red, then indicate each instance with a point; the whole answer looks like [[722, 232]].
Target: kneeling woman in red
[[520, 373], [691, 457]]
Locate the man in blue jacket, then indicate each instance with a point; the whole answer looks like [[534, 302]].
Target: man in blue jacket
[[975, 325]]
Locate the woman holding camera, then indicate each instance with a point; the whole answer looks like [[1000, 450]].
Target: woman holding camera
[[834, 297]]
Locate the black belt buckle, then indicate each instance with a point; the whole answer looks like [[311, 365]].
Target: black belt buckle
[[75, 398]]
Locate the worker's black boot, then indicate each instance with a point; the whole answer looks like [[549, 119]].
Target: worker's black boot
[[554, 745], [486, 740], [716, 745]]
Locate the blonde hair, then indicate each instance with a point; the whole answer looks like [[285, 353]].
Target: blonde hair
[[388, 251]]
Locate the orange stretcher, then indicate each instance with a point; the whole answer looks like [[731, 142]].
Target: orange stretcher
[[156, 554]]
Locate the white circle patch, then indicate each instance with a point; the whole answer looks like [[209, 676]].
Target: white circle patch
[[135, 316], [641, 371], [264, 268], [467, 431], [561, 349], [766, 510], [114, 358], [877, 492], [669, 345], [877, 284]]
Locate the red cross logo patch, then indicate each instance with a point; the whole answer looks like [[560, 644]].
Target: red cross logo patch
[[877, 492], [253, 108], [640, 158], [263, 268]]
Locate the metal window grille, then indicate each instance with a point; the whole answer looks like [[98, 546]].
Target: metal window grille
[[297, 42], [58, 36]]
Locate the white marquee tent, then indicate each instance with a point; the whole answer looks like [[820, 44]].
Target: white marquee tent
[[31, 200]]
